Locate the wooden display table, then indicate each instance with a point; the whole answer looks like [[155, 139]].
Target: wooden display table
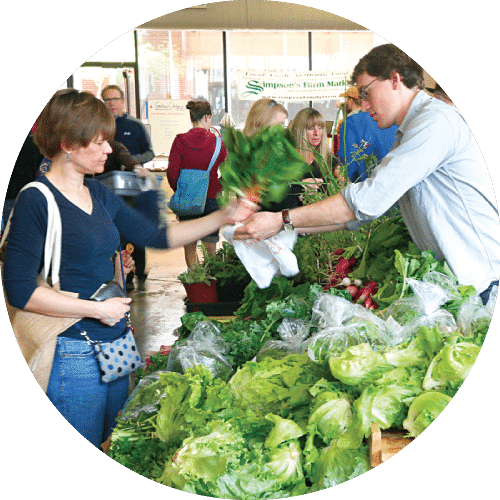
[[384, 444]]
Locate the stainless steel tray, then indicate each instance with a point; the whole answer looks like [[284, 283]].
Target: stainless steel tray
[[121, 182]]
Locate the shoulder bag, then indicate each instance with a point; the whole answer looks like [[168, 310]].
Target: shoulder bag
[[37, 333], [192, 186]]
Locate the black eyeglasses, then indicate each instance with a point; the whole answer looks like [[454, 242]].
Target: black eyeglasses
[[363, 94], [112, 99]]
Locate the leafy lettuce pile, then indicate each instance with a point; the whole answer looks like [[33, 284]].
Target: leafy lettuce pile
[[291, 426]]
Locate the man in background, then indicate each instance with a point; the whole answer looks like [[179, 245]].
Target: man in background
[[132, 133]]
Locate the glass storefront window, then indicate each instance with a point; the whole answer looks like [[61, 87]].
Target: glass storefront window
[[337, 51], [189, 64], [94, 78], [181, 65]]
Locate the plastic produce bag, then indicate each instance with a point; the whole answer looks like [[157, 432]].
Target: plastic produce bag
[[293, 335], [472, 312], [145, 397], [333, 342], [342, 324], [203, 347], [424, 308], [331, 310]]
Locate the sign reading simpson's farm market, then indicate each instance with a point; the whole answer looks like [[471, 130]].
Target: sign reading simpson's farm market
[[291, 86]]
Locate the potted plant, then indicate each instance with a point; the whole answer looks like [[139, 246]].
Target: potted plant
[[231, 275], [200, 285]]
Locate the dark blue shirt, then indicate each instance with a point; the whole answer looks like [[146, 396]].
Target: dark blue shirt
[[89, 243], [132, 133]]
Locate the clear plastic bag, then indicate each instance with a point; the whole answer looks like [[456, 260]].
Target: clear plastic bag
[[145, 397], [473, 311], [331, 311], [204, 346], [342, 324], [447, 284], [333, 342], [424, 308], [293, 335]]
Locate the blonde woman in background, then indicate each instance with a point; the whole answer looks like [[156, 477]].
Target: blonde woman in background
[[264, 113], [308, 128]]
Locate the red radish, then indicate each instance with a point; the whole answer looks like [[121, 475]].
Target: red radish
[[369, 288], [339, 251], [352, 261], [372, 286], [369, 303], [353, 290], [342, 267], [362, 294]]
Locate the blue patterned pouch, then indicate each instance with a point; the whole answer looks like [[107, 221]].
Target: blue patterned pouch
[[117, 358]]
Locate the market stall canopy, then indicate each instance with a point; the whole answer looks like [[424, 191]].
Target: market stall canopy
[[254, 15]]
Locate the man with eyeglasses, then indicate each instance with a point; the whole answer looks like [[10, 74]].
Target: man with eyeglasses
[[434, 171], [132, 133]]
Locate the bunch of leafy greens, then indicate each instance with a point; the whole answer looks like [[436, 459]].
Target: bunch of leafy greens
[[449, 368], [264, 165]]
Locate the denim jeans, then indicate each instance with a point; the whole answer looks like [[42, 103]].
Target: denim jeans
[[76, 390]]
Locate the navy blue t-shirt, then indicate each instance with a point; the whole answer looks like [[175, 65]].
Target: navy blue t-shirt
[[89, 243], [132, 133]]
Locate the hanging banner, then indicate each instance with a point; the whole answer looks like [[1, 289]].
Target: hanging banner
[[291, 86]]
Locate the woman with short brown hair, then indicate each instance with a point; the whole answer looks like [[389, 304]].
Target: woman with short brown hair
[[73, 132]]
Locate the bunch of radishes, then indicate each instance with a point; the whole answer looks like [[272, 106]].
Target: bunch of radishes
[[361, 293]]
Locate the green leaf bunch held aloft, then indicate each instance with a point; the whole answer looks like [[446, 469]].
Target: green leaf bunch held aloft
[[261, 167]]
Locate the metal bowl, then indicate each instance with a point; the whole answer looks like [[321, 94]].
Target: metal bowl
[[121, 182]]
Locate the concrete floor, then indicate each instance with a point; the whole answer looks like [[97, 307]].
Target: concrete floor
[[157, 309]]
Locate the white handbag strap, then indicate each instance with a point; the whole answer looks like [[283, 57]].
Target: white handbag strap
[[53, 239]]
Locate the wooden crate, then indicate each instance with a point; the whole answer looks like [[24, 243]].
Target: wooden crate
[[384, 444]]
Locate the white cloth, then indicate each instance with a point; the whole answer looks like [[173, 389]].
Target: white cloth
[[268, 258]]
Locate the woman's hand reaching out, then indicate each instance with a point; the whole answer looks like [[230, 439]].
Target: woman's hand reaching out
[[239, 209]]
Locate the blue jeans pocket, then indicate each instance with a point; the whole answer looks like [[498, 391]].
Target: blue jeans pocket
[[75, 389]]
